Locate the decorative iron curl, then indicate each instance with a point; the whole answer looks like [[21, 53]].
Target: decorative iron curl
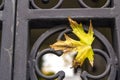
[[33, 59], [110, 57], [86, 6], [60, 75], [86, 75], [45, 2]]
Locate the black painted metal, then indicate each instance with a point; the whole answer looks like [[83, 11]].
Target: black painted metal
[[109, 57], [17, 62], [86, 6], [56, 6], [7, 17]]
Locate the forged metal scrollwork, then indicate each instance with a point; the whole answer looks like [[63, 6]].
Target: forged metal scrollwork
[[95, 2], [83, 3], [46, 2], [60, 75], [33, 59], [85, 74], [109, 56]]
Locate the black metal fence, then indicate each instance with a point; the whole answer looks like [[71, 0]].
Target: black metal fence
[[19, 58]]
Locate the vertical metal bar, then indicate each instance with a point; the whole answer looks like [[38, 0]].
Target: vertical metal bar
[[116, 39], [21, 41], [116, 36], [6, 56], [20, 56]]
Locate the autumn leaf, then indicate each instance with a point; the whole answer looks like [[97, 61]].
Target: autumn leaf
[[82, 47]]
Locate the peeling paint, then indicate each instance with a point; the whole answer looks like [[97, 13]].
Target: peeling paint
[[17, 23], [9, 50]]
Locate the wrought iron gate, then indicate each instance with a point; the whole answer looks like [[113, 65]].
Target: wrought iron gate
[[18, 17]]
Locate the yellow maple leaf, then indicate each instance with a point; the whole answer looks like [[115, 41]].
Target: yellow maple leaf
[[82, 47]]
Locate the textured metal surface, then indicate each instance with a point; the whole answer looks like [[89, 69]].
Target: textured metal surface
[[110, 58], [26, 13], [7, 17], [18, 62], [56, 6], [86, 6]]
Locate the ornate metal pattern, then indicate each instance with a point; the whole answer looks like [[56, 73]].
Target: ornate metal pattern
[[27, 11], [15, 17], [60, 2], [46, 1], [86, 6], [109, 56]]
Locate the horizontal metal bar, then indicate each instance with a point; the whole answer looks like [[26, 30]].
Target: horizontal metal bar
[[75, 13]]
